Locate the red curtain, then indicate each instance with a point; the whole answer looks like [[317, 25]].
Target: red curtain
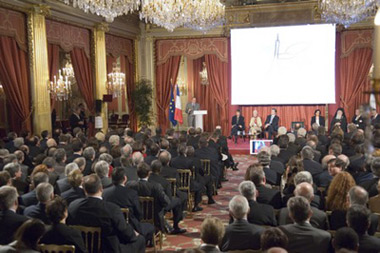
[[82, 71], [53, 58], [218, 79], [14, 77], [165, 73], [130, 83]]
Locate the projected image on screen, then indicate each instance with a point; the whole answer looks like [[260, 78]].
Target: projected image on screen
[[283, 65]]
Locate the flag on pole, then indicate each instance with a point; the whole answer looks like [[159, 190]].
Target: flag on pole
[[178, 107], [172, 108]]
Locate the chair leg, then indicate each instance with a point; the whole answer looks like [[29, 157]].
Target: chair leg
[[154, 242]]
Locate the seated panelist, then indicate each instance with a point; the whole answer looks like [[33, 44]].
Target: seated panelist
[[255, 124], [271, 123], [238, 125], [317, 118]]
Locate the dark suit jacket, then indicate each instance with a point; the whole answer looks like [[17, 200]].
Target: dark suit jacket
[[29, 199], [169, 172], [369, 244], [193, 141], [272, 177], [149, 159], [371, 186], [158, 179], [321, 121], [318, 220], [312, 166], [73, 194], [74, 121], [182, 162], [241, 235], [125, 198], [277, 166], [261, 214], [106, 182], [131, 173], [212, 155], [285, 155], [359, 122], [238, 123], [376, 120], [37, 212], [275, 121], [63, 184], [60, 234], [9, 223], [269, 196], [338, 220], [305, 238], [71, 158], [94, 212], [209, 249]]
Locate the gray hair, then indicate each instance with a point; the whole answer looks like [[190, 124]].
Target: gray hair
[[238, 206], [301, 132], [307, 153], [59, 155], [8, 196], [101, 169], [358, 196], [137, 158], [303, 176], [126, 150], [12, 169], [305, 190], [18, 142], [70, 167], [44, 192], [274, 150], [299, 208], [114, 140], [281, 130], [89, 153], [80, 161], [292, 137], [375, 166], [106, 157], [3, 152], [247, 189]]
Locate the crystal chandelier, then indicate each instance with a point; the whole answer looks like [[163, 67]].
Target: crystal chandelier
[[109, 9], [60, 88], [116, 82], [207, 14], [347, 12]]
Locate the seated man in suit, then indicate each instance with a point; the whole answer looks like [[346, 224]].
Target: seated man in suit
[[238, 125], [317, 220], [358, 219], [127, 198], [101, 169], [30, 198], [271, 123], [59, 233], [93, 211], [45, 193], [272, 176], [266, 195], [63, 183], [347, 239], [259, 214], [303, 236], [240, 235], [10, 221], [212, 232], [75, 179], [309, 164]]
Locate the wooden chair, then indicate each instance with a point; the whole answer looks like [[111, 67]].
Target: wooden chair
[[206, 166], [52, 248], [125, 212], [147, 208], [91, 237], [124, 121], [184, 185], [173, 184], [113, 120]]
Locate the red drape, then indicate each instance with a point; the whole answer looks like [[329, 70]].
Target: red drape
[[14, 77], [218, 79], [83, 76], [165, 73], [130, 83], [53, 58]]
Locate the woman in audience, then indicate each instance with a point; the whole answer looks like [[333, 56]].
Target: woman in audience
[[336, 200], [273, 237], [255, 125], [374, 202], [27, 237], [251, 167], [59, 233], [75, 192], [294, 166], [339, 119]]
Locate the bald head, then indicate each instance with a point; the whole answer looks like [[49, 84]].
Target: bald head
[[305, 190], [164, 158], [276, 250], [358, 196], [345, 159], [51, 143]]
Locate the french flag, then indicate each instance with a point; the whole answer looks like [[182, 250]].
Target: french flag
[[178, 107]]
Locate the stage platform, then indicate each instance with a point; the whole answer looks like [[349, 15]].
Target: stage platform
[[240, 148]]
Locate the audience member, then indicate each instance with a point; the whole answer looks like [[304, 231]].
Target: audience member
[[273, 237], [44, 193], [212, 232]]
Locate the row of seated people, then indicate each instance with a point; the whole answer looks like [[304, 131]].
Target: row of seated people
[[96, 184]]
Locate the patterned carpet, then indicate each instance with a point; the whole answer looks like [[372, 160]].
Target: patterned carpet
[[192, 223]]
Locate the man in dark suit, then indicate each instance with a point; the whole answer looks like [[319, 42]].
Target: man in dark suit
[[93, 211], [371, 185], [45, 193], [102, 170], [266, 195], [271, 123], [77, 148], [193, 139], [318, 218], [272, 177], [10, 221], [30, 198], [127, 198], [358, 219], [259, 214], [309, 164], [240, 235], [63, 183], [283, 143], [238, 125], [161, 200], [75, 119], [14, 170], [375, 117], [154, 150], [304, 237]]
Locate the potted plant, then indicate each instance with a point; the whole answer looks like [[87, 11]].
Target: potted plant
[[142, 98]]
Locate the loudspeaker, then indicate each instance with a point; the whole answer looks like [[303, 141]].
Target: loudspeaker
[[107, 98], [98, 106]]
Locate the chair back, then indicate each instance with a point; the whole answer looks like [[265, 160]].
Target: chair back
[[125, 118], [125, 212], [184, 179], [147, 208], [52, 248], [91, 237], [114, 118], [173, 184], [206, 166]]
